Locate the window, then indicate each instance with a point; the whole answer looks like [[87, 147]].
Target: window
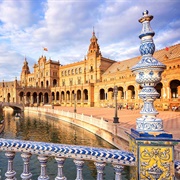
[[63, 82], [72, 71], [91, 69]]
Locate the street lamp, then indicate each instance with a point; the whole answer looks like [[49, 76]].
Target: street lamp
[[74, 103], [23, 99], [116, 119]]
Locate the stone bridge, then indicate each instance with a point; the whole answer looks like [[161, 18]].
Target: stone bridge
[[14, 106]]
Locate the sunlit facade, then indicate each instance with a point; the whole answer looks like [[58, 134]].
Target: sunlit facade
[[90, 82]]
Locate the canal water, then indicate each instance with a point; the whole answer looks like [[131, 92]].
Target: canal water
[[37, 127]]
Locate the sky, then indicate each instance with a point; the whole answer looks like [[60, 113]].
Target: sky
[[65, 28]]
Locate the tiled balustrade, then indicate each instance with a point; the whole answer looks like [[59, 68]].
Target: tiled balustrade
[[60, 152]]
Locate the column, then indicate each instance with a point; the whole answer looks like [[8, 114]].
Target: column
[[168, 92], [55, 97], [31, 99], [43, 98], [37, 99], [178, 89], [24, 99], [82, 97], [60, 162], [100, 168], [118, 171], [43, 161], [79, 165], [26, 175], [10, 174]]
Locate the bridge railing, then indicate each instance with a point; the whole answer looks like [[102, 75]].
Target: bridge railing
[[100, 156]]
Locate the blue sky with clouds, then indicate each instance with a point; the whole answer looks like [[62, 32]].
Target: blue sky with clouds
[[65, 28]]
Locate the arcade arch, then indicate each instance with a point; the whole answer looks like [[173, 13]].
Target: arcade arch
[[175, 88]]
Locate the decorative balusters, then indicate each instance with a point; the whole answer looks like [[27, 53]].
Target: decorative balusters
[[10, 174], [43, 162], [100, 168], [26, 175], [45, 150], [118, 171], [60, 162], [79, 165]]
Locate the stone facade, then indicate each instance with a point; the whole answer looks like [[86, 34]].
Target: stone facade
[[90, 82]]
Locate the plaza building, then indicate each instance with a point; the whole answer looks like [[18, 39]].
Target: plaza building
[[91, 81]]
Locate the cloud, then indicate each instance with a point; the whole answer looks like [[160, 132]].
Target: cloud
[[65, 28], [15, 14]]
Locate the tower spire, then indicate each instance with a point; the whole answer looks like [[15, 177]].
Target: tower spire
[[94, 46], [93, 31]]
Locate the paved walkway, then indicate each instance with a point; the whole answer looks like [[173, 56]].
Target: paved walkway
[[127, 118]]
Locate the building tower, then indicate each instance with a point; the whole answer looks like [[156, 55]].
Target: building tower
[[93, 60], [24, 73]]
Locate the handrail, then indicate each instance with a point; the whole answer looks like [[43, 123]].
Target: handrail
[[60, 152], [71, 151]]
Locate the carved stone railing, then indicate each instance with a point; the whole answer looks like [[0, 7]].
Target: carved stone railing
[[80, 154]]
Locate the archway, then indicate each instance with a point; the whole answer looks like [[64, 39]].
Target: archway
[[57, 95], [102, 94], [8, 97], [79, 95], [85, 94], [174, 84], [53, 96], [62, 95], [68, 95], [131, 92], [110, 94], [120, 92], [46, 98], [34, 97]]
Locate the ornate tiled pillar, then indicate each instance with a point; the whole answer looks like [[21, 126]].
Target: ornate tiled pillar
[[151, 145]]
